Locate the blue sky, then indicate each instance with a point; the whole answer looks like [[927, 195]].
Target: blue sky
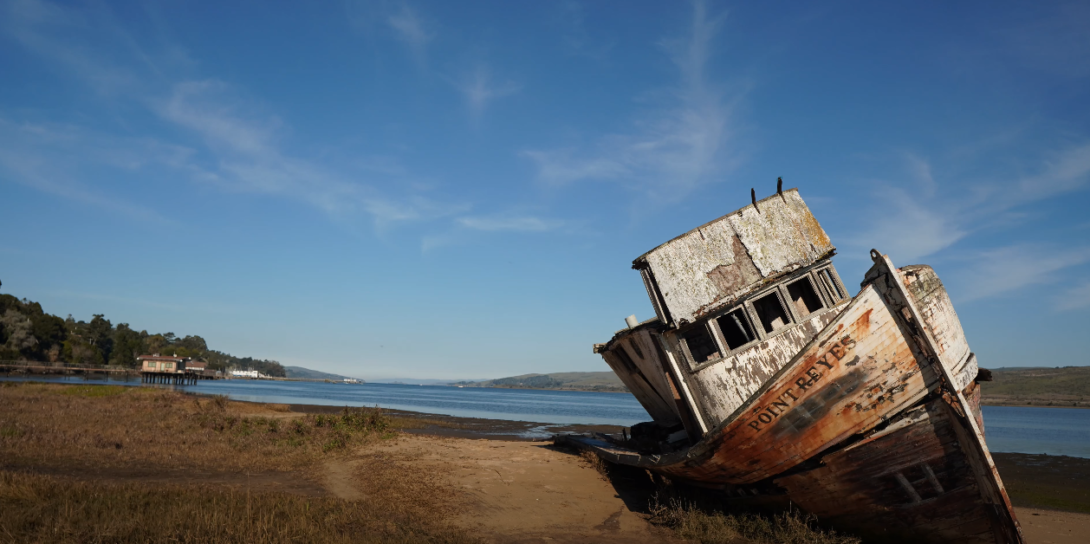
[[457, 189]]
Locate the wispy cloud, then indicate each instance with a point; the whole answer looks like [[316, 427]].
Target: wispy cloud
[[575, 37], [671, 149], [1013, 267], [1075, 298], [909, 229], [479, 89], [243, 148], [919, 215], [250, 158], [411, 31], [510, 223], [50, 159]]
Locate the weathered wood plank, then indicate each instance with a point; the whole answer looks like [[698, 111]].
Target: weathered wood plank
[[936, 360], [709, 267], [862, 488], [853, 376], [726, 385]]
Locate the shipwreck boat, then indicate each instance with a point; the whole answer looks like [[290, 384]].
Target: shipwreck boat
[[767, 380]]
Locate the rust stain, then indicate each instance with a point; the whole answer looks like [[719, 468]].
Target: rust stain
[[820, 401], [862, 325]]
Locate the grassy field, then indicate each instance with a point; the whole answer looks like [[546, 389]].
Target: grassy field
[[97, 463], [1063, 387]]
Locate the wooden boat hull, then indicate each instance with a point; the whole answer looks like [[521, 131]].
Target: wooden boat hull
[[874, 426]]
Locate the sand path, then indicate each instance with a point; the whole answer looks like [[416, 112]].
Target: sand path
[[528, 492], [1051, 527], [521, 492]]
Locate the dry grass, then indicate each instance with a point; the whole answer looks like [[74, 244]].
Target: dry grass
[[595, 462], [714, 526], [144, 433], [114, 426], [45, 509]]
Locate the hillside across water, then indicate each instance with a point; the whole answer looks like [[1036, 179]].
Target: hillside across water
[[570, 381], [1061, 387], [1067, 386]]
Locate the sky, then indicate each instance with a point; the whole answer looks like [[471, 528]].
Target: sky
[[456, 190]]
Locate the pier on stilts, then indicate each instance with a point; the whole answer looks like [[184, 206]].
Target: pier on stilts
[[169, 378]]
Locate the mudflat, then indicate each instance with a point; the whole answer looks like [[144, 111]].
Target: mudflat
[[141, 464]]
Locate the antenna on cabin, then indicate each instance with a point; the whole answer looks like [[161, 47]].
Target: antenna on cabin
[[753, 197], [779, 189]]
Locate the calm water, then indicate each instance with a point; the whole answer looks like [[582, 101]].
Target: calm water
[[1055, 431], [560, 407]]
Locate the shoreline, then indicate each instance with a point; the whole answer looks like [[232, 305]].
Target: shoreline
[[1052, 483], [985, 401], [472, 428]]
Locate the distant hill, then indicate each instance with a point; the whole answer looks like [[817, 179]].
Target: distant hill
[[571, 381], [410, 381], [308, 374], [1063, 386]]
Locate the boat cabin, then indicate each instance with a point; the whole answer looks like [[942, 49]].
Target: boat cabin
[[735, 299]]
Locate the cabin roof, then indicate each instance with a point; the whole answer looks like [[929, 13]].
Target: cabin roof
[[722, 260]]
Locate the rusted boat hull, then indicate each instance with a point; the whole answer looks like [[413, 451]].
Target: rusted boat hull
[[874, 425], [911, 484]]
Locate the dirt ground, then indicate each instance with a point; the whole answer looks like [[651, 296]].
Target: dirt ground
[[529, 492], [1053, 527], [523, 492]]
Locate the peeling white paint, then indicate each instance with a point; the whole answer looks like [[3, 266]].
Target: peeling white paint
[[703, 269]]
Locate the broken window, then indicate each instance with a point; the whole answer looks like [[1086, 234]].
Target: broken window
[[699, 341], [771, 312], [832, 286], [736, 329], [803, 296]]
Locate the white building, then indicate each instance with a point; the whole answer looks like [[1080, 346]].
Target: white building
[[245, 374]]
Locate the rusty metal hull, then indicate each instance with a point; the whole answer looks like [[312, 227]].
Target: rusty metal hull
[[873, 426]]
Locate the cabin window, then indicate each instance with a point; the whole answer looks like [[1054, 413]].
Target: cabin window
[[771, 312], [736, 329], [832, 284], [168, 366], [804, 297], [700, 344]]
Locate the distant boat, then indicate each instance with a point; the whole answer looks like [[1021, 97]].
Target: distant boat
[[351, 381], [768, 381]]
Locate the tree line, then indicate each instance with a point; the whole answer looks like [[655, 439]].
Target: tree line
[[27, 333]]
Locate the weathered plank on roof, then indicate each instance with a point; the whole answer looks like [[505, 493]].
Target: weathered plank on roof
[[712, 265]]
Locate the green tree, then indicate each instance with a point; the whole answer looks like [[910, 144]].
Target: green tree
[[18, 335], [77, 351], [51, 334], [100, 334], [128, 344], [157, 343], [195, 344]]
